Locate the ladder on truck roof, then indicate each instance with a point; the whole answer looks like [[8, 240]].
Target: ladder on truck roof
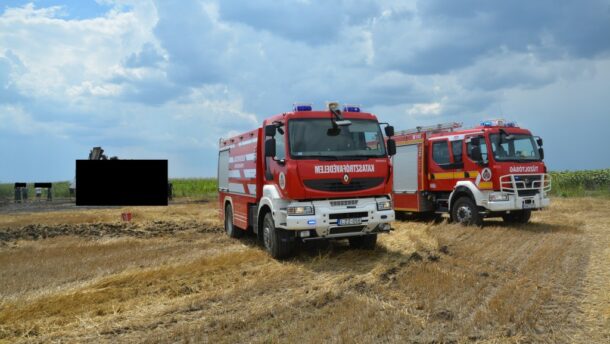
[[432, 128]]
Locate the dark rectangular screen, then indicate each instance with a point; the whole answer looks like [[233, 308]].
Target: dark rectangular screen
[[20, 185], [43, 185], [121, 182]]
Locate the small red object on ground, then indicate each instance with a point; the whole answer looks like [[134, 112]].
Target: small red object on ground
[[126, 216]]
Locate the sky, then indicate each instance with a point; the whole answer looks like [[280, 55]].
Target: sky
[[167, 79]]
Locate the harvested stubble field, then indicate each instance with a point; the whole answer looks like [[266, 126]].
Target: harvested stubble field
[[172, 275]]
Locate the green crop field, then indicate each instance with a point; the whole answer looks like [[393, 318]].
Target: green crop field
[[195, 187], [191, 187], [565, 184], [581, 183], [60, 190]]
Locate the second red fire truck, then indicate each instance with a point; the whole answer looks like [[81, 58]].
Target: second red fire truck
[[308, 175], [493, 170]]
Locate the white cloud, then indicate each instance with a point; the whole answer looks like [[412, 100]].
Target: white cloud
[[59, 54], [161, 79], [15, 119], [425, 109]]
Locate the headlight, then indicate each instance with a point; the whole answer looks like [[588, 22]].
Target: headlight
[[384, 205], [300, 210], [496, 197]]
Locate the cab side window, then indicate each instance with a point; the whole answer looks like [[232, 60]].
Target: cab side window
[[456, 148], [482, 148], [280, 145], [440, 152]]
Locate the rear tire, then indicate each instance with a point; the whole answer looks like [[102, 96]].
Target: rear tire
[[519, 216], [230, 228], [277, 241], [367, 242], [465, 212]]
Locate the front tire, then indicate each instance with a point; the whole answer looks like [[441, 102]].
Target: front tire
[[230, 228], [277, 242], [519, 216], [465, 212], [366, 242]]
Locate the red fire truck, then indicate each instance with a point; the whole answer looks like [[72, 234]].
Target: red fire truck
[[308, 175], [492, 170]]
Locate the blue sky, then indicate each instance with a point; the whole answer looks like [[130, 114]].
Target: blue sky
[[161, 79]]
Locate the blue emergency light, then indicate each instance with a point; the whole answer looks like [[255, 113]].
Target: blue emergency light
[[351, 108], [498, 123], [301, 107]]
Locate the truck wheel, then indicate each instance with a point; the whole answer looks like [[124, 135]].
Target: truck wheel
[[366, 242], [230, 228], [276, 240], [465, 212], [519, 216]]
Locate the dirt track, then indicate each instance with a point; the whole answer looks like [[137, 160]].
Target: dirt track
[[172, 275], [98, 230]]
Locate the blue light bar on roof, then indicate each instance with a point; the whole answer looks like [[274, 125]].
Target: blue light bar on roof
[[351, 108], [498, 123], [301, 107]]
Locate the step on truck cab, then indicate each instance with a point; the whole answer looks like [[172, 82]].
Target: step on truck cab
[[308, 175], [493, 170]]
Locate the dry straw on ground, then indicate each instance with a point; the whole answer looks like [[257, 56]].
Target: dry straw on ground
[[174, 276]]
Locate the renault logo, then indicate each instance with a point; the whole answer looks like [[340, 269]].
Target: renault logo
[[346, 179]]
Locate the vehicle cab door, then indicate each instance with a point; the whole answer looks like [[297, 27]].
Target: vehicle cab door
[[476, 161], [440, 167], [275, 166], [456, 151]]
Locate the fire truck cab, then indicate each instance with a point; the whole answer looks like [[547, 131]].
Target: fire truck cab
[[308, 175], [493, 170]]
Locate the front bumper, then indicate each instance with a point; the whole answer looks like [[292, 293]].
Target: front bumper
[[324, 223], [515, 202]]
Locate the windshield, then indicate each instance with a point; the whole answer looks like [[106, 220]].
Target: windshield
[[312, 138], [514, 147]]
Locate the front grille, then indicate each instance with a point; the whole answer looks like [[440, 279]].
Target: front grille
[[344, 230], [343, 203], [525, 184], [527, 181], [337, 185], [348, 215], [523, 193]]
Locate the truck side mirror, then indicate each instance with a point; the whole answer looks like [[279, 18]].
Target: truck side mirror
[[389, 131], [270, 130], [270, 147], [391, 147], [539, 141], [541, 152]]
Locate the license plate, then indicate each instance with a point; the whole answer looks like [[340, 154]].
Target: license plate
[[529, 205], [349, 222]]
